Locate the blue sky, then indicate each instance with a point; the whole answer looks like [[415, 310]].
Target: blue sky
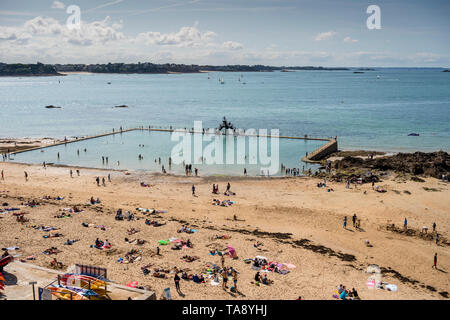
[[274, 32]]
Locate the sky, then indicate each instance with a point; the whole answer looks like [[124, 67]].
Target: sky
[[331, 33]]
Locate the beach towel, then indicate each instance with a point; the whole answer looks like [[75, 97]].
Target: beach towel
[[391, 287], [132, 284]]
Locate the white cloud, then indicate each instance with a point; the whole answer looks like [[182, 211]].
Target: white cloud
[[350, 40], [232, 45], [324, 35], [58, 5], [186, 37]]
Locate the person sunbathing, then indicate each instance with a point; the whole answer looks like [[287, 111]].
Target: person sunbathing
[[70, 242], [56, 264], [159, 275], [132, 231], [257, 244]]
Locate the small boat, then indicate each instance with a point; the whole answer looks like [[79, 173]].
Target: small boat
[[413, 135]]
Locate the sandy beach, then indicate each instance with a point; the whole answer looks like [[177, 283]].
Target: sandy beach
[[297, 223]]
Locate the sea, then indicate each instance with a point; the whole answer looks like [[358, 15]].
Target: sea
[[373, 110]]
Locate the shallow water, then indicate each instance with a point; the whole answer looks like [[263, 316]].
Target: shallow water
[[123, 150]]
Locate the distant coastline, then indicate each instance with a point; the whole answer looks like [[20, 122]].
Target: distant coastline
[[39, 69]]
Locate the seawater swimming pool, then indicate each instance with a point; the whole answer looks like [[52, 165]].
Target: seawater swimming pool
[[123, 150]]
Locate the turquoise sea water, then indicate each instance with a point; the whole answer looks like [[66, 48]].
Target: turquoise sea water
[[365, 111], [122, 151]]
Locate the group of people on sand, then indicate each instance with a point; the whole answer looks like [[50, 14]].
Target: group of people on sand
[[70, 171], [294, 172], [97, 180], [228, 192], [355, 221], [345, 294], [262, 279], [120, 216], [188, 170], [94, 201]]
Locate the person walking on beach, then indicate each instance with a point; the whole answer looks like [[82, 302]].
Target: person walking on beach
[[437, 238], [193, 190], [109, 177], [3, 175], [245, 171], [98, 181], [225, 278], [177, 282], [345, 222], [354, 220], [103, 182], [405, 224], [235, 279], [78, 172], [44, 165], [26, 176], [71, 173], [228, 187], [434, 226], [435, 261]]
